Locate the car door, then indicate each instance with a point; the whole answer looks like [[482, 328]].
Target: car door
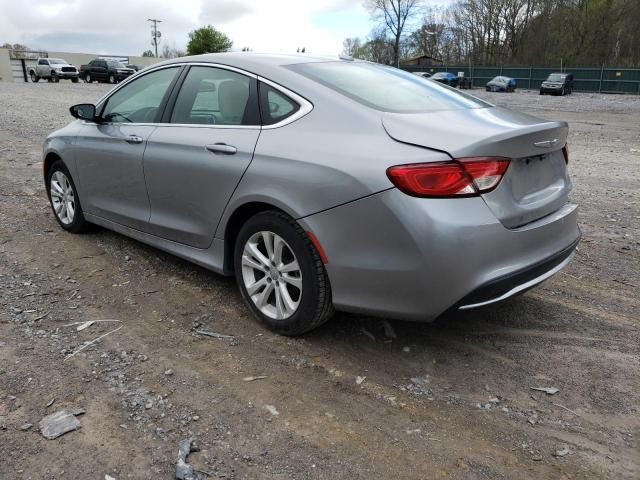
[[99, 70], [42, 69], [109, 153], [194, 162]]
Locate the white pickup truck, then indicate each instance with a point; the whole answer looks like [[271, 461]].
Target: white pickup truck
[[53, 69]]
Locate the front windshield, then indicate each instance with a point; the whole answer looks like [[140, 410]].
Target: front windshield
[[56, 61], [386, 88], [555, 77], [114, 64]]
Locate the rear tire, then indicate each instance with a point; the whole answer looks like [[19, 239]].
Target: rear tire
[[55, 78], [64, 199], [34, 77], [112, 79], [275, 272], [87, 78]]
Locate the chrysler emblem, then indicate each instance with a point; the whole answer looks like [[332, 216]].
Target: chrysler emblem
[[546, 143]]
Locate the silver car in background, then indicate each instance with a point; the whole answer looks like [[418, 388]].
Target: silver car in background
[[320, 184]]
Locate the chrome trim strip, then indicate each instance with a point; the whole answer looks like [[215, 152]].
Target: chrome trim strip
[[522, 286], [202, 125]]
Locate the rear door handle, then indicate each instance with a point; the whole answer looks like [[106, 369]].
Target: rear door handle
[[222, 148], [134, 139]]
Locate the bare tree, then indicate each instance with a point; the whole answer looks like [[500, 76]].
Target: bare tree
[[393, 14], [350, 46]]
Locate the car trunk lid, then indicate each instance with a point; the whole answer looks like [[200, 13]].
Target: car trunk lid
[[535, 184]]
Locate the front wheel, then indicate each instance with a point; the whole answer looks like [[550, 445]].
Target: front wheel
[[34, 77], [55, 78], [280, 274], [64, 199]]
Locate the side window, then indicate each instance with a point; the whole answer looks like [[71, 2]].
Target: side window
[[215, 96], [274, 105], [43, 62], [139, 100]]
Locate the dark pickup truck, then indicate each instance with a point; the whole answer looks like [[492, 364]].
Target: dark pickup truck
[[100, 70]]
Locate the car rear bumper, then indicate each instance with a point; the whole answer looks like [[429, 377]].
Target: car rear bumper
[[399, 256], [517, 282], [550, 89]]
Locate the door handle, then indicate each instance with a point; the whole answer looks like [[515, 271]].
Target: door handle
[[134, 139], [222, 148]]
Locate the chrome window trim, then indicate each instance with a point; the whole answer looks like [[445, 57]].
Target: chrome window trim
[[305, 105]]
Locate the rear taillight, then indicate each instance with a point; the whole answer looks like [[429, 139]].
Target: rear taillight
[[565, 152], [463, 177]]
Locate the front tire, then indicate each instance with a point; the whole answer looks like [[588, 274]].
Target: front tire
[[55, 78], [64, 199], [280, 274]]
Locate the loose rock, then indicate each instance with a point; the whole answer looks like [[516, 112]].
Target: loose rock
[[57, 424]]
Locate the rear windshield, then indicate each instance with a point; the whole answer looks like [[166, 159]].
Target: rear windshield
[[385, 88]]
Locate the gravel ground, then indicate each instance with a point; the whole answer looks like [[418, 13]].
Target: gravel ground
[[360, 397]]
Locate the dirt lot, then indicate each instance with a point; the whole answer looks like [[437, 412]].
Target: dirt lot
[[452, 399]]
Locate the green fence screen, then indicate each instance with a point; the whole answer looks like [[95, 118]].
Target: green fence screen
[[604, 80]]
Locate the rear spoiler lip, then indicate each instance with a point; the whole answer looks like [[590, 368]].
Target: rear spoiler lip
[[413, 129]]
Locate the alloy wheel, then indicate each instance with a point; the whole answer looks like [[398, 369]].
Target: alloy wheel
[[271, 274], [62, 197]]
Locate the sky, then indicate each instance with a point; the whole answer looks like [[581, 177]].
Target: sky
[[120, 27]]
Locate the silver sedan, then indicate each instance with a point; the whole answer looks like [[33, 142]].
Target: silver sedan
[[320, 184]]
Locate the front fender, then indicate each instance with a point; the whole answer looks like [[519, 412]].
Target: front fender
[[61, 144]]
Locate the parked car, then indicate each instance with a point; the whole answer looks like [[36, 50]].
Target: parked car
[[101, 70], [501, 84], [53, 69], [422, 74], [134, 67], [447, 78], [558, 84], [318, 191]]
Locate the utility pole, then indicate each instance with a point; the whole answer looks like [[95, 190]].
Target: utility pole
[[155, 34]]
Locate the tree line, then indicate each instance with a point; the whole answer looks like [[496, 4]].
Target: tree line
[[504, 32]]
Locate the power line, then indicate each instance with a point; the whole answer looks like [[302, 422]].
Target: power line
[[155, 34]]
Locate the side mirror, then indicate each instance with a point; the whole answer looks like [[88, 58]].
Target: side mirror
[[84, 111]]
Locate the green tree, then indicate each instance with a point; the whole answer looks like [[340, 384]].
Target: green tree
[[147, 53], [207, 40]]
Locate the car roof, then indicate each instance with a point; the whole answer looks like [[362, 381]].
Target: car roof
[[250, 60]]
